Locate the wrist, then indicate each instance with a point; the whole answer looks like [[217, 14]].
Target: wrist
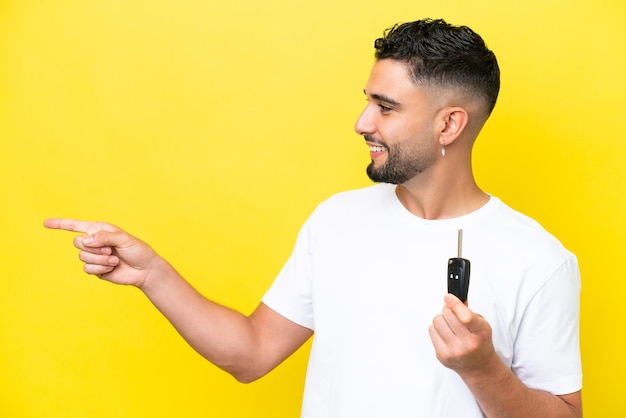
[[156, 275], [492, 372]]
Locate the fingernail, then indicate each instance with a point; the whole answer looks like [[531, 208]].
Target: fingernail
[[89, 239]]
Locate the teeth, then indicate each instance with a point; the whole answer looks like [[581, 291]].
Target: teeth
[[376, 148]]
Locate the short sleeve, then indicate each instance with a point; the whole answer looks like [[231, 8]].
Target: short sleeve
[[290, 294], [547, 350]]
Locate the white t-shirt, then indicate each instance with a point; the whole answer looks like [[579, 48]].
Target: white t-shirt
[[368, 277]]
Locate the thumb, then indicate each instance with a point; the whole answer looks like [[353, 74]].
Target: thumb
[[460, 309], [116, 239]]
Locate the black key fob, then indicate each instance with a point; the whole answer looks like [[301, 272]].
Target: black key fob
[[458, 277], [459, 273]]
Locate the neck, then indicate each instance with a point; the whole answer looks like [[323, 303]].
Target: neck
[[441, 194]]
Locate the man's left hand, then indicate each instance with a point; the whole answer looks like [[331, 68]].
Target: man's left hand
[[462, 338]]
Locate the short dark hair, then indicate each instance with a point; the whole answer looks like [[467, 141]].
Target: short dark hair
[[443, 55]]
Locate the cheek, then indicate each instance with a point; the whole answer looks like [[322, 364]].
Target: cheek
[[414, 130], [413, 126], [407, 134], [394, 133], [424, 134]]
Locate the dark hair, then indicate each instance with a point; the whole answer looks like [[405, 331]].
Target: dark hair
[[443, 55]]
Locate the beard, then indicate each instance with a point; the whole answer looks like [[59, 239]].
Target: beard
[[405, 160]]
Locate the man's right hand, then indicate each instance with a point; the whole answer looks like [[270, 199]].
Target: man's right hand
[[109, 252]]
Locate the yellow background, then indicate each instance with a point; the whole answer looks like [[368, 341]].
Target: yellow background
[[211, 129]]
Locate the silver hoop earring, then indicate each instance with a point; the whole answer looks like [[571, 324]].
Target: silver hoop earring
[[443, 149]]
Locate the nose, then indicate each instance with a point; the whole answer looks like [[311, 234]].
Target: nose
[[365, 124]]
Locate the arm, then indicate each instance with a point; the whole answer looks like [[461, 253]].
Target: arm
[[247, 347], [462, 341]]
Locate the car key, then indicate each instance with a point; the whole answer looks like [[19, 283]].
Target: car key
[[459, 272]]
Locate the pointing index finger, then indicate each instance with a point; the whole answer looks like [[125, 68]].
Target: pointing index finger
[[75, 225]]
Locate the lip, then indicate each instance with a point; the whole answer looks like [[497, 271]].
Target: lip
[[376, 149]]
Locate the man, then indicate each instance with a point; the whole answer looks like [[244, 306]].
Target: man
[[367, 272]]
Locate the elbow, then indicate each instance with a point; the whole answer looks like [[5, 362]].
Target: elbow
[[247, 376], [244, 372]]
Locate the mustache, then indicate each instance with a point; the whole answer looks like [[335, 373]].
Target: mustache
[[371, 139]]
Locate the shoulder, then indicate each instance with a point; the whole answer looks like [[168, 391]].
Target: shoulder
[[370, 194], [520, 234], [350, 210], [357, 201]]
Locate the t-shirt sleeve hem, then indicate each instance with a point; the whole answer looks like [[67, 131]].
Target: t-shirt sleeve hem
[[289, 312], [562, 386]]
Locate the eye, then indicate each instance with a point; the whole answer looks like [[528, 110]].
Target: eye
[[383, 108]]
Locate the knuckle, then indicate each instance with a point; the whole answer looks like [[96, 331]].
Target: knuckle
[[472, 345]]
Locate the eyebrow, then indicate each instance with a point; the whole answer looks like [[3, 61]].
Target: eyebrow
[[383, 98]]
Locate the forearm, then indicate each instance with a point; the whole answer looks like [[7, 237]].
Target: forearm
[[223, 336], [501, 394], [245, 346]]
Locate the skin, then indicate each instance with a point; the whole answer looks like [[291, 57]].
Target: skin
[[399, 113], [429, 118], [247, 347]]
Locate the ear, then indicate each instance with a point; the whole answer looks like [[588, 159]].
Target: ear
[[452, 122]]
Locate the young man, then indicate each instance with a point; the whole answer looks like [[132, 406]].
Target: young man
[[367, 272]]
